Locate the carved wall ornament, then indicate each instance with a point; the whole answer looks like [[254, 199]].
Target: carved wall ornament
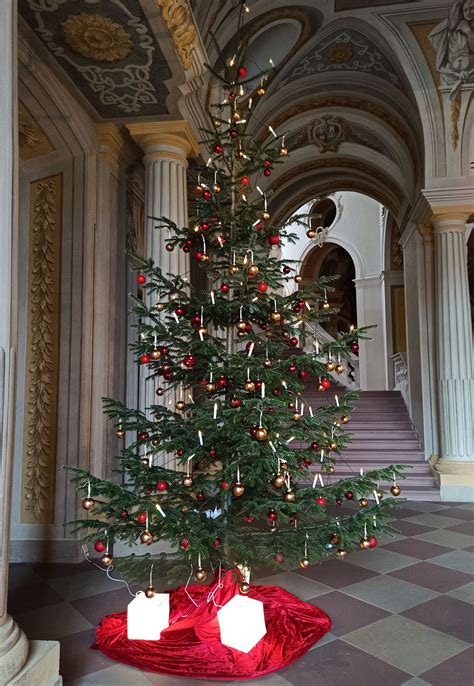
[[453, 41], [32, 141], [28, 135], [396, 251], [108, 50], [327, 132], [180, 24], [135, 218], [455, 110], [42, 355], [96, 37]]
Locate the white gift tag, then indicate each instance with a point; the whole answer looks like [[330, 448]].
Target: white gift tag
[[242, 623], [147, 617]]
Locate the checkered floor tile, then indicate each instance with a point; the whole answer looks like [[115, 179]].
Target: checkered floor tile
[[402, 614]]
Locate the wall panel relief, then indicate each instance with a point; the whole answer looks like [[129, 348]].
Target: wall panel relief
[[42, 351], [32, 141]]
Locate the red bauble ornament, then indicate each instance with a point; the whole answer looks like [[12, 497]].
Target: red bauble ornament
[[242, 72], [338, 502], [235, 402], [253, 431], [145, 358], [222, 382], [267, 171], [355, 347], [274, 239], [184, 543], [124, 514], [279, 558], [292, 367], [276, 392], [100, 546], [233, 133], [161, 486], [294, 341], [225, 288], [248, 327], [258, 384], [286, 269], [225, 485], [314, 446], [304, 374], [296, 309], [180, 452], [148, 490], [264, 326], [218, 149], [164, 350], [212, 453], [198, 255], [326, 383], [186, 248], [373, 542], [217, 543], [179, 311], [143, 436], [245, 180], [307, 462], [321, 501], [141, 279], [204, 226], [349, 495], [267, 163], [141, 518], [189, 361], [168, 375], [262, 287], [250, 519], [201, 496], [206, 194], [272, 516]]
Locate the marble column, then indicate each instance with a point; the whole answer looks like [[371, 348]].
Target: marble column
[[372, 353], [454, 356], [166, 146], [17, 655]]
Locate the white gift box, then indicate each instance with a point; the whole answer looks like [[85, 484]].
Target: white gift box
[[147, 617], [242, 623]]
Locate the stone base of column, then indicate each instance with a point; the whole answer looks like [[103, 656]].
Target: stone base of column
[[41, 667], [13, 650], [455, 479]]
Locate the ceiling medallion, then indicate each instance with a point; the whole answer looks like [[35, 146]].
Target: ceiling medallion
[[340, 53], [96, 37]]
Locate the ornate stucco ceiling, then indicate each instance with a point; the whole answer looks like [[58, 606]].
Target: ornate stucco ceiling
[[107, 49]]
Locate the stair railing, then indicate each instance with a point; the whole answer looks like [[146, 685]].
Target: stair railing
[[400, 375], [350, 376]]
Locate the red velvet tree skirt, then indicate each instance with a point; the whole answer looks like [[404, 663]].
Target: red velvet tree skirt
[[191, 646]]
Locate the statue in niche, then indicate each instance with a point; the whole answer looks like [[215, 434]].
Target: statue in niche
[[327, 132], [453, 40]]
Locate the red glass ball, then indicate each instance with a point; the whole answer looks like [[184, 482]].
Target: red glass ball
[[242, 72], [207, 195], [267, 163], [276, 392], [294, 341], [143, 436], [314, 446], [168, 375], [304, 374], [245, 180], [179, 311], [212, 453], [338, 502], [233, 133], [292, 368], [307, 462], [355, 347], [180, 452], [217, 543], [258, 384], [161, 486], [186, 248], [326, 383], [218, 149], [222, 382], [262, 287], [248, 327], [272, 516], [250, 519], [349, 495], [286, 269], [124, 514], [373, 542], [296, 309], [225, 288], [267, 171], [321, 501], [145, 358], [164, 350], [184, 543], [141, 279], [204, 226], [253, 431], [100, 546], [198, 255], [141, 518], [279, 558], [201, 496], [274, 239], [225, 485]]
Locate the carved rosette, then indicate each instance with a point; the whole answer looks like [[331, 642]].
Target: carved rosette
[[42, 356]]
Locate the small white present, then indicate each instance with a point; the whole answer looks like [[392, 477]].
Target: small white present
[[242, 623], [148, 617]]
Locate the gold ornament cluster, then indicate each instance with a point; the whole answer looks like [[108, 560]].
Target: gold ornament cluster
[[96, 37]]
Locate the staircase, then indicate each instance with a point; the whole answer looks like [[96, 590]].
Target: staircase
[[381, 433]]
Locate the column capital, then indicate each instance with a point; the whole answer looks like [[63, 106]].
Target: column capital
[[450, 218], [426, 232], [165, 138], [113, 145]]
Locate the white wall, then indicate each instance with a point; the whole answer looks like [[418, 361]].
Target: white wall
[[358, 228]]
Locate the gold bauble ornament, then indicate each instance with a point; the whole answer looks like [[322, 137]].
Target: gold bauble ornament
[[395, 490], [289, 496], [296, 417], [244, 587], [335, 539], [339, 368], [217, 123], [88, 503], [145, 461], [203, 330], [164, 368], [333, 445], [268, 363], [326, 305], [120, 433], [200, 574], [261, 90], [159, 307], [364, 544], [187, 481], [241, 334], [330, 366], [249, 386], [261, 434], [279, 481], [146, 537], [216, 188], [311, 233], [169, 247], [275, 317], [180, 405], [273, 527], [330, 469], [345, 419], [265, 215], [283, 151], [150, 592], [210, 387], [155, 442], [238, 489], [160, 391], [204, 257], [304, 563], [106, 559], [283, 465], [236, 115], [241, 326], [155, 354], [286, 334], [379, 494], [253, 270], [298, 278], [363, 502], [341, 553], [233, 268]]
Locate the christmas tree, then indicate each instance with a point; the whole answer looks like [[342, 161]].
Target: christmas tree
[[210, 466]]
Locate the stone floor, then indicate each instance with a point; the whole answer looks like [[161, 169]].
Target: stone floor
[[402, 613]]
